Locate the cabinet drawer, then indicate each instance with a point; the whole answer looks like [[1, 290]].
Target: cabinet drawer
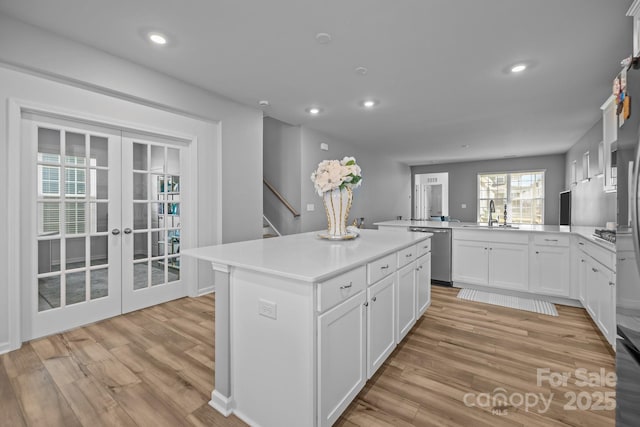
[[405, 256], [545, 239], [380, 268], [424, 247], [603, 256], [341, 287]]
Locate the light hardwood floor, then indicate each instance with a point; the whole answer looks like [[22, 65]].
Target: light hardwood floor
[[154, 367]]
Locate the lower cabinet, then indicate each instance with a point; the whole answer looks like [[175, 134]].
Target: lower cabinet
[[496, 264], [550, 270], [470, 262], [405, 300], [381, 323], [601, 297], [423, 284], [342, 359]]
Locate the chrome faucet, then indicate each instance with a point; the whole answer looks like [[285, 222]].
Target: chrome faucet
[[492, 210]]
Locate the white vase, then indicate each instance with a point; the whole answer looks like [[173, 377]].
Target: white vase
[[337, 204]]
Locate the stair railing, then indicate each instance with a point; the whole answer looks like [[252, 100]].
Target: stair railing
[[281, 198]]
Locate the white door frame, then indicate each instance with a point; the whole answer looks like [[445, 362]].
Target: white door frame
[[16, 108]]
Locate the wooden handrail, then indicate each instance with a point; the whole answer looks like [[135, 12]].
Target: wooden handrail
[[281, 198]]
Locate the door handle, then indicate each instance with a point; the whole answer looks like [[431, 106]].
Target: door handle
[[127, 230], [115, 231]]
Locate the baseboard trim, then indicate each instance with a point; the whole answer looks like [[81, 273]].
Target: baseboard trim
[[220, 403], [208, 290], [5, 347], [555, 300]]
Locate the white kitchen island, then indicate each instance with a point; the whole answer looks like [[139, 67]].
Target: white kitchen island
[[301, 323]]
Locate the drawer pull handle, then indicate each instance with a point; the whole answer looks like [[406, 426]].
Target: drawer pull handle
[[537, 252], [595, 270], [425, 247], [581, 244], [550, 240], [622, 259], [409, 255], [384, 267], [611, 284], [347, 286]]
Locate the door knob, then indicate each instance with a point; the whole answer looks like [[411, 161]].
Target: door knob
[[127, 230], [115, 231]]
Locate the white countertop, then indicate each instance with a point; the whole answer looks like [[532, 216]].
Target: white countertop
[[583, 231], [305, 256]]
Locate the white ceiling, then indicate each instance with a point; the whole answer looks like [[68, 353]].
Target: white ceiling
[[437, 66]]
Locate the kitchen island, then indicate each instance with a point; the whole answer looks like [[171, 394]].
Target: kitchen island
[[301, 323]]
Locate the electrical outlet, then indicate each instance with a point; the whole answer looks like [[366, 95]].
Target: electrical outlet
[[311, 207], [324, 146], [267, 308], [464, 206]]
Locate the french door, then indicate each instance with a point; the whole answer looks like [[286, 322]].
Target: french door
[[106, 210]]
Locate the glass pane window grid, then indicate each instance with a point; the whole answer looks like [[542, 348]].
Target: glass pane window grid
[[79, 275], [521, 192], [156, 194]]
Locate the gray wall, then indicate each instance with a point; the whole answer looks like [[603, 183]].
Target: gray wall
[[383, 195], [281, 159], [463, 182], [590, 205]]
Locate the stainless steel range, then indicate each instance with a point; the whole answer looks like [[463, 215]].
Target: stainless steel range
[[440, 253]]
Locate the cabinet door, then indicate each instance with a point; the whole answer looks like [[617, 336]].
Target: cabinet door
[[551, 270], [582, 278], [592, 288], [423, 284], [509, 266], [470, 262], [405, 300], [341, 357], [606, 304], [381, 323]]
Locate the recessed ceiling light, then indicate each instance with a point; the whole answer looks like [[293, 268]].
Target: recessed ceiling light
[[361, 71], [314, 111], [323, 38], [369, 103], [518, 68], [158, 38], [263, 103]]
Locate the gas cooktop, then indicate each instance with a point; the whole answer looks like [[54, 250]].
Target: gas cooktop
[[606, 235]]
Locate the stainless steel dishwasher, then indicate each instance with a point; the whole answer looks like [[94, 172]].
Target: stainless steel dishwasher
[[440, 253]]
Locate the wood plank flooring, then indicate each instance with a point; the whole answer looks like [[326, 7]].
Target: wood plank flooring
[[155, 367]]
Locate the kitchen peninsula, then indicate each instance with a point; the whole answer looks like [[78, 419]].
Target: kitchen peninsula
[[560, 264], [301, 323]]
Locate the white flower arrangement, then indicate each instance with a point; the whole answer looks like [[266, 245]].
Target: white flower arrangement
[[333, 174]]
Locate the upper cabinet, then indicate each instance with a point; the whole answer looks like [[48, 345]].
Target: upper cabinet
[[634, 11], [609, 137]]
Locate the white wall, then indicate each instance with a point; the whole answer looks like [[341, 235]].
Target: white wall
[[41, 67], [385, 191]]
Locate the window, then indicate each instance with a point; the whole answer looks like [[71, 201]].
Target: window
[[521, 192], [49, 191]]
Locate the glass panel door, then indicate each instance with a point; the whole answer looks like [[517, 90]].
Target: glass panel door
[[77, 197], [152, 213]]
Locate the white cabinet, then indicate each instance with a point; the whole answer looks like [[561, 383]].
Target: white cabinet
[[381, 323], [342, 370], [423, 284], [509, 266], [550, 263], [470, 262], [601, 298], [598, 287], [497, 263], [405, 300]]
